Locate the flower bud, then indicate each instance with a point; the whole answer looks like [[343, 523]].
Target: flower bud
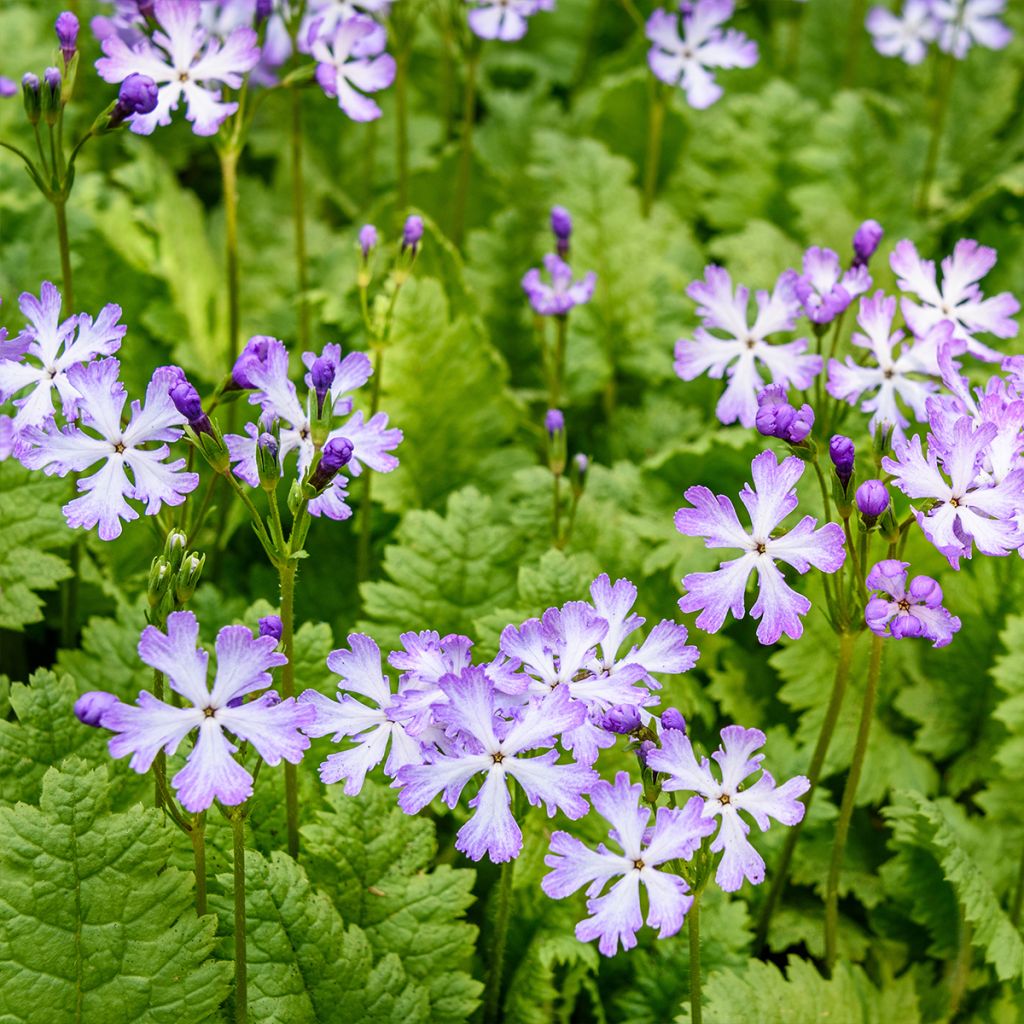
[[925, 590], [187, 401], [554, 424], [775, 417], [8, 87], [872, 499], [672, 718], [578, 473], [866, 241], [189, 576], [321, 375], [412, 232], [66, 28], [50, 95], [92, 706], [138, 95], [622, 719], [268, 464], [561, 225], [252, 358], [30, 94], [161, 577], [842, 453], [264, 8], [271, 625], [367, 240], [336, 454], [644, 751], [174, 549], [554, 421]]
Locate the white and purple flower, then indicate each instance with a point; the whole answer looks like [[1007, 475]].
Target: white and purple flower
[[351, 62], [823, 289], [504, 20], [563, 294], [900, 610], [906, 35]]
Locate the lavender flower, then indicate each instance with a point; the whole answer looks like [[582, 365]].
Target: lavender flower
[[769, 501], [738, 354], [672, 718], [505, 20], [968, 22], [412, 234], [367, 240], [617, 916], [8, 87], [184, 60], [563, 294], [777, 418], [270, 724], [66, 28], [907, 611], [866, 241], [907, 35], [842, 454], [137, 95], [92, 706], [100, 437], [485, 742], [252, 358], [352, 62], [823, 290], [687, 59], [271, 625], [725, 798], [561, 226], [324, 17], [872, 499]]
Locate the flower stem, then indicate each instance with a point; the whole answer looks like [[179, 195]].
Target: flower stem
[[466, 152], [241, 979], [402, 125], [286, 571], [299, 218], [198, 837], [1018, 894], [366, 505], [499, 939], [655, 125], [556, 509], [558, 362], [944, 88], [854, 39], [828, 727], [867, 715], [229, 179], [693, 923]]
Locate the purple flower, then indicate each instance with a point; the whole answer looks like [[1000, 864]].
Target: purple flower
[[503, 19], [777, 418], [337, 454], [66, 28], [92, 706], [907, 611], [563, 293], [187, 401], [842, 454], [270, 724], [672, 718], [686, 59], [271, 625], [737, 355], [561, 225], [725, 798], [966, 510], [56, 347], [352, 62], [185, 60], [872, 499], [324, 17], [484, 742], [959, 299], [8, 87], [412, 233], [866, 241], [252, 357], [768, 502], [321, 377], [374, 727], [906, 36], [617, 916], [622, 719], [367, 240], [966, 22], [100, 438], [554, 421], [823, 290], [137, 95]]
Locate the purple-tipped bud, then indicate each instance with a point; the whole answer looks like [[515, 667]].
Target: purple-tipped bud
[[53, 80], [268, 467], [582, 463], [50, 96], [92, 706], [8, 87], [925, 590], [264, 8], [775, 417], [30, 94], [270, 625], [672, 718], [842, 453], [412, 232], [644, 751], [321, 373], [801, 425], [623, 719], [147, 8], [252, 357], [866, 241], [66, 27], [561, 225], [872, 499], [554, 421], [187, 401], [137, 95], [336, 454], [367, 240]]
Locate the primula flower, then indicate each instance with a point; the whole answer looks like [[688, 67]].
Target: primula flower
[[557, 298], [330, 15], [959, 299], [505, 20], [894, 378], [685, 59], [211, 773], [823, 290], [777, 418], [907, 611], [56, 346], [184, 60], [485, 742], [969, 22], [966, 510], [737, 355], [617, 915], [768, 502], [351, 62], [100, 437], [906, 35], [724, 798]]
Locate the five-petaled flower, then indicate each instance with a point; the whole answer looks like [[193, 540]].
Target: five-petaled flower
[[351, 62], [823, 289], [901, 610], [906, 35], [505, 20], [557, 298]]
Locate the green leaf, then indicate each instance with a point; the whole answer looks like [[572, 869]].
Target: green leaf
[[372, 859], [95, 927], [30, 523]]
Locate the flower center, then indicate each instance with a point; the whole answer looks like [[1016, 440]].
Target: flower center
[[119, 447], [498, 757], [904, 605], [210, 712], [762, 549], [955, 502], [725, 799], [638, 864]]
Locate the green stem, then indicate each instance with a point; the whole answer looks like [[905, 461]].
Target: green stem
[[366, 505], [204, 508], [939, 113], [59, 208], [492, 999], [160, 761], [558, 367], [854, 40], [229, 179], [655, 125], [299, 218], [1018, 894], [828, 728], [291, 796], [198, 837], [867, 715], [556, 508], [241, 978], [466, 152], [402, 126], [693, 921]]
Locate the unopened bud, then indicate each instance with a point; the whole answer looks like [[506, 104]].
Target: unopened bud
[[270, 625], [92, 706], [188, 577], [66, 28], [161, 577], [268, 464], [336, 454], [174, 549], [30, 94]]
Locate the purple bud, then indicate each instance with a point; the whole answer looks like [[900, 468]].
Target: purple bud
[[367, 239], [187, 401], [53, 80], [925, 590], [775, 417], [561, 225], [842, 452], [866, 241], [412, 232], [672, 718], [30, 94], [67, 35], [137, 95], [147, 8], [800, 426], [30, 82], [8, 87], [872, 499], [582, 463], [268, 443], [252, 357], [623, 719], [554, 421], [264, 8], [644, 751], [92, 706], [270, 625], [336, 454], [321, 374]]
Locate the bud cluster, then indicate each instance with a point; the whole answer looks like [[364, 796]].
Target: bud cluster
[[173, 576]]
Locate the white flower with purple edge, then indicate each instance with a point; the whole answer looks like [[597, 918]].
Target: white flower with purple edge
[[906, 35], [186, 60], [724, 798], [563, 294], [99, 437], [211, 772], [768, 502], [330, 15], [737, 355], [351, 62], [685, 59], [486, 742], [969, 22], [504, 20], [901, 610], [823, 290], [617, 916]]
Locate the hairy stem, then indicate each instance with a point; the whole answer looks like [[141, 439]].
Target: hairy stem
[[939, 113], [198, 837], [366, 505], [299, 218], [693, 922], [229, 180], [655, 125], [492, 999], [402, 125], [286, 572], [241, 978]]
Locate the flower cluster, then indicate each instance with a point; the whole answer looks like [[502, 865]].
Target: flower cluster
[[563, 293], [955, 25], [506, 20]]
